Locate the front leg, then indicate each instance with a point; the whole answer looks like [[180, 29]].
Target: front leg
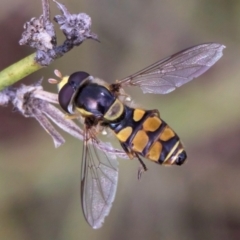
[[132, 155], [71, 116]]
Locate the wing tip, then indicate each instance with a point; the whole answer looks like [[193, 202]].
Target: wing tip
[[219, 48], [217, 53], [97, 225]]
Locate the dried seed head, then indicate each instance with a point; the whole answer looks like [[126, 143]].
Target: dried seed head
[[76, 27], [6, 96], [38, 34]]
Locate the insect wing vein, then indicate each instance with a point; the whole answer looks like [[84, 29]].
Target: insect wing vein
[[98, 181], [166, 75]]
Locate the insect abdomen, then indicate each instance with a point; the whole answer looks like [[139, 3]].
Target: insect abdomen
[[145, 133]]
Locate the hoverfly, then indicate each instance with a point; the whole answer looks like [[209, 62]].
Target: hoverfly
[[141, 133]]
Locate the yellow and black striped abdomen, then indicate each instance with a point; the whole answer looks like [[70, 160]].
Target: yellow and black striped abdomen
[[143, 132]]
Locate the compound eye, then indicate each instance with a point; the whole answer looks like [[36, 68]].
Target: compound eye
[[67, 91], [64, 96], [181, 158], [76, 79]]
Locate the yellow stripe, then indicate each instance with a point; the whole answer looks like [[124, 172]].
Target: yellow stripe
[[173, 159], [152, 124], [124, 134], [140, 141], [171, 152], [115, 111], [166, 134], [155, 151], [138, 114]]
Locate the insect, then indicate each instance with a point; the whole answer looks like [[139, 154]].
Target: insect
[[141, 133]]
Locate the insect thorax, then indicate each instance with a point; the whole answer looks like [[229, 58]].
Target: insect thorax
[[96, 100]]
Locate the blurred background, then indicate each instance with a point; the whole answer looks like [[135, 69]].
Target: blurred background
[[39, 185]]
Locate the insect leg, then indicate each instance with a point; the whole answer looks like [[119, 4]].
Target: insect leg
[[129, 153], [142, 167], [71, 116]]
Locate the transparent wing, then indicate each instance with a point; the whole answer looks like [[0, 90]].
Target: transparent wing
[[166, 75], [98, 181]]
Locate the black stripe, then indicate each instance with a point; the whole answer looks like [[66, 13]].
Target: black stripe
[[167, 147]]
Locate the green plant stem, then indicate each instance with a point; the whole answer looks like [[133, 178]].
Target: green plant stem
[[18, 70]]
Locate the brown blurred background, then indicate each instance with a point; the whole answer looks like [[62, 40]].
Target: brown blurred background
[[39, 185]]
